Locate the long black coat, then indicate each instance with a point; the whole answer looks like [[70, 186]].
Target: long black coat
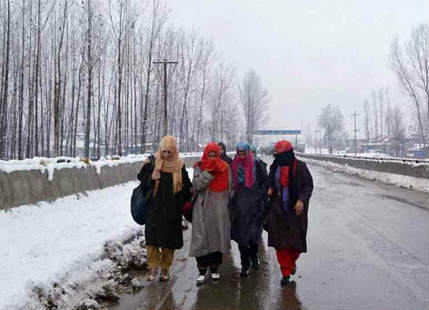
[[164, 215], [247, 209], [287, 230]]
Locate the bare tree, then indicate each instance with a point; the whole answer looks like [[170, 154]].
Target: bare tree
[[411, 65], [254, 99], [222, 82], [5, 82], [158, 18], [398, 132], [367, 120], [331, 120]]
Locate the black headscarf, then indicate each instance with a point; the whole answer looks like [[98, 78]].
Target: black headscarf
[[224, 156], [281, 160]]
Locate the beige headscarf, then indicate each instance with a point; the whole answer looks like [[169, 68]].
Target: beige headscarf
[[174, 165]]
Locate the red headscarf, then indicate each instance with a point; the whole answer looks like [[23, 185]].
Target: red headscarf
[[217, 167], [280, 147]]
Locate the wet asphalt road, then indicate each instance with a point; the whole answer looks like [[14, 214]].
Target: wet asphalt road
[[368, 248]]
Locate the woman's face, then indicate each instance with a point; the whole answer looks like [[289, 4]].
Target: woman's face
[[166, 155], [212, 156], [221, 150], [241, 153]]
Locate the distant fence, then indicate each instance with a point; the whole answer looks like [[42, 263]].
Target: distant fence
[[29, 187], [396, 166]]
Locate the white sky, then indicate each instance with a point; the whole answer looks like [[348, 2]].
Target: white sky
[[309, 53]]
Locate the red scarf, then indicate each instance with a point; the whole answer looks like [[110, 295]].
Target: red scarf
[[284, 174], [246, 163], [216, 167]]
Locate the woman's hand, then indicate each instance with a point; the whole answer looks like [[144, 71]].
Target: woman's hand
[[270, 191], [299, 207]]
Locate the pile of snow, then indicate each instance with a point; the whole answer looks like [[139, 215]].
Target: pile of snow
[[94, 284], [371, 155], [419, 184], [55, 253], [42, 244]]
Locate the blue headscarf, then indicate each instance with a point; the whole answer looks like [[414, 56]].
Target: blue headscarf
[[240, 165], [243, 146]]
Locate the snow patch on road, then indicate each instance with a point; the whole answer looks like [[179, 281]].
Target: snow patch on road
[[409, 182]]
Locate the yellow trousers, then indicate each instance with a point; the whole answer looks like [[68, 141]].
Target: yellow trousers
[[161, 257]]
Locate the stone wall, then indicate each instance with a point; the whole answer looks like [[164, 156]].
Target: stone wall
[[29, 187], [388, 166]]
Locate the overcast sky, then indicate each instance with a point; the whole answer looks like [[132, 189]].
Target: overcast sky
[[309, 53]]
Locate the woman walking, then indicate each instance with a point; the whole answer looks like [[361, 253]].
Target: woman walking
[[211, 227], [290, 187], [223, 154], [247, 205], [171, 189]]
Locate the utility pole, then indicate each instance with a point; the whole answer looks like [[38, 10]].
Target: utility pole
[[355, 130], [315, 137], [165, 62]]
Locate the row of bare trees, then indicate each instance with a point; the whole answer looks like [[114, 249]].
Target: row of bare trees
[[410, 62], [78, 78], [377, 115]]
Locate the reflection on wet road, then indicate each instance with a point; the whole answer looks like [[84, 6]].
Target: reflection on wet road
[[368, 249]]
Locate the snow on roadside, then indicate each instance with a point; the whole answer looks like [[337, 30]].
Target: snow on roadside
[[94, 284], [49, 165], [40, 244], [409, 182], [63, 242]]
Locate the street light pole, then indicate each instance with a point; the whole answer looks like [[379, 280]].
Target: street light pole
[[165, 62], [315, 136], [355, 130]]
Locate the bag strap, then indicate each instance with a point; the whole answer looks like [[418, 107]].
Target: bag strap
[[152, 162]]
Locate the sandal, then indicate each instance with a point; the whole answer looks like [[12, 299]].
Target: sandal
[[164, 275], [152, 274]]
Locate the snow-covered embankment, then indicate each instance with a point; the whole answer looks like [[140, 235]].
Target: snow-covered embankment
[[70, 251], [405, 181]]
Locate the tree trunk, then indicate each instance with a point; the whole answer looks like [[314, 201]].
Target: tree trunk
[[5, 79]]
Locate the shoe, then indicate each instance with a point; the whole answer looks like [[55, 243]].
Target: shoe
[[215, 276], [255, 263], [244, 271], [164, 275], [284, 281], [294, 270], [152, 274], [201, 279]]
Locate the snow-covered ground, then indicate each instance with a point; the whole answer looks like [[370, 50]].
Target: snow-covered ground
[[49, 242], [374, 155], [419, 184]]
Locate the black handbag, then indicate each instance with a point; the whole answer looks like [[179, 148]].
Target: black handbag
[[140, 200]]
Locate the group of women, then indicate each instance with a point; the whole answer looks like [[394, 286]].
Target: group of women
[[231, 199]]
